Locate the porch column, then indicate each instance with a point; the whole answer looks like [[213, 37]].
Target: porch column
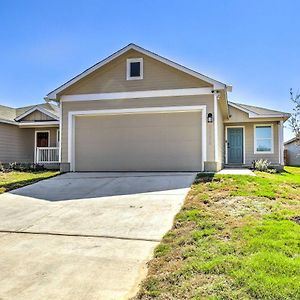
[[215, 119], [280, 144]]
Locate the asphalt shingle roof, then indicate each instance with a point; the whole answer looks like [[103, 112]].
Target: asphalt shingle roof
[[9, 113], [256, 110]]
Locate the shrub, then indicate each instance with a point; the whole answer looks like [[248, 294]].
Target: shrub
[[272, 171], [2, 168], [23, 167], [261, 165]]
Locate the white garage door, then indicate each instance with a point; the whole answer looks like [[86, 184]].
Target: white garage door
[[139, 142]]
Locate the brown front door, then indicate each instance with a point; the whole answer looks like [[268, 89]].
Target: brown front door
[[42, 139]]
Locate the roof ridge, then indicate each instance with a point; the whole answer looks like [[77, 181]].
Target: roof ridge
[[7, 106], [32, 105]]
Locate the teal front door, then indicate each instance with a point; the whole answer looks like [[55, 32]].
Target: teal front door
[[235, 145]]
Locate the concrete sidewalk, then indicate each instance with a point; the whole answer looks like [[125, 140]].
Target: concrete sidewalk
[[85, 235], [237, 171]]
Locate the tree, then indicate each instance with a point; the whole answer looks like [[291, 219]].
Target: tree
[[295, 116]]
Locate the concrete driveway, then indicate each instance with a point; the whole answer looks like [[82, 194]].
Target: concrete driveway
[[85, 235]]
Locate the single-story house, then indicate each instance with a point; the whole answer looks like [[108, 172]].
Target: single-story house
[[29, 134], [292, 149], [138, 111]]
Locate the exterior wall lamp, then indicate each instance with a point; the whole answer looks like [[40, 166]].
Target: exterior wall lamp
[[209, 118]]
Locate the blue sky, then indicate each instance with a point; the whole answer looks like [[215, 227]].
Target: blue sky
[[253, 45]]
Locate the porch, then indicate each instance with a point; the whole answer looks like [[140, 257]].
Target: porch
[[46, 146], [47, 155]]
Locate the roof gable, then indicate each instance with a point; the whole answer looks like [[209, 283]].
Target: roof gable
[[259, 112], [134, 48], [37, 113], [293, 140]]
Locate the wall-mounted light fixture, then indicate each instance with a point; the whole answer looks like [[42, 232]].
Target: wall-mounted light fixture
[[209, 118]]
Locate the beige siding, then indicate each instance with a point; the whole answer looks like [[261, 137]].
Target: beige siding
[[236, 115], [133, 103], [37, 116], [144, 142], [249, 142], [293, 154], [16, 144], [112, 78]]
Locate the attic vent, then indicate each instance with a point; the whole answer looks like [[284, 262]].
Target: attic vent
[[134, 68]]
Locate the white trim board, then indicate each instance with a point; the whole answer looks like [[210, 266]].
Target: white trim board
[[280, 143], [215, 120], [60, 130], [144, 110], [39, 124], [57, 137], [138, 94], [216, 84], [244, 142], [33, 109], [8, 122]]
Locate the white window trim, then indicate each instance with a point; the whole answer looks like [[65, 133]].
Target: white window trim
[[272, 139], [133, 60], [57, 137], [35, 141], [144, 110], [244, 143]]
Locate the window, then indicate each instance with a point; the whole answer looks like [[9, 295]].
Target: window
[[263, 139], [134, 68]]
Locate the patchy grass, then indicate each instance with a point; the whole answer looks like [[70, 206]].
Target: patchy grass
[[236, 237], [14, 180]]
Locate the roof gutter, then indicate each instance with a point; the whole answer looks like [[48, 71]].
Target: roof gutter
[[8, 122], [47, 99]]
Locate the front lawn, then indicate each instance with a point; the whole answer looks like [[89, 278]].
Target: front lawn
[[236, 237], [14, 180]]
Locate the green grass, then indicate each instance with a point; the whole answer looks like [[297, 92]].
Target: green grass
[[233, 239], [14, 180]]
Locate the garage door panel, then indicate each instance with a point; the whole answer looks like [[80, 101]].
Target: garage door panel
[[146, 142]]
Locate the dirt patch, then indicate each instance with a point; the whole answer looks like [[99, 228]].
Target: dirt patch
[[240, 206]]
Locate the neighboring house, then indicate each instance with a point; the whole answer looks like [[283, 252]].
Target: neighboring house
[[138, 111], [25, 132], [292, 148]]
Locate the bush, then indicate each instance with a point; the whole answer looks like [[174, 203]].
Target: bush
[[263, 165], [23, 167], [2, 168]]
